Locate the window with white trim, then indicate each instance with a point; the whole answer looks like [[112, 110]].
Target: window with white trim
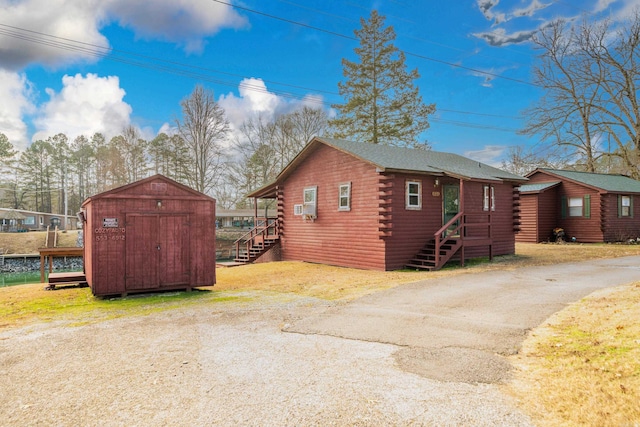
[[297, 209], [413, 192], [624, 206], [575, 206], [344, 197], [489, 198], [310, 195]]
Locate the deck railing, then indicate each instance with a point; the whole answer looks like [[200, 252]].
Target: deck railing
[[265, 229], [458, 225]]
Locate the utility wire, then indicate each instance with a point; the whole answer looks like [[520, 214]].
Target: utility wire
[[416, 55]]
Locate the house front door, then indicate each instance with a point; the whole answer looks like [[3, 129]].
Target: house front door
[[450, 203]]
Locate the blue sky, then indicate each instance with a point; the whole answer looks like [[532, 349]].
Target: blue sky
[[86, 66]]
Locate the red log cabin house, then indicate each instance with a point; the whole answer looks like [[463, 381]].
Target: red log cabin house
[[368, 206], [589, 207]]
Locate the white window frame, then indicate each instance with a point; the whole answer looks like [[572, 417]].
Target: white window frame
[[489, 198], [624, 198], [298, 209], [413, 195], [573, 204], [346, 186], [310, 205]]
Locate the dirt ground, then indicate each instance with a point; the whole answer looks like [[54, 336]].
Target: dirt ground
[[226, 365], [288, 361]]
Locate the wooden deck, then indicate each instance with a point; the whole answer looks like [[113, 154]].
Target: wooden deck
[[56, 252]]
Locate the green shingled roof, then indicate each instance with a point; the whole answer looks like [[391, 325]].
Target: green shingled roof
[[607, 182], [535, 188], [415, 160]]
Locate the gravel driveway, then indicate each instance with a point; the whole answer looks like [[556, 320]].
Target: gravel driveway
[[232, 364]]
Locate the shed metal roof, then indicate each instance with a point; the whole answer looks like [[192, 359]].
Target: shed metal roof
[[607, 182]]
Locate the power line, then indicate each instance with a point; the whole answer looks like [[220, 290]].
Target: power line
[[190, 71], [107, 53], [416, 55]]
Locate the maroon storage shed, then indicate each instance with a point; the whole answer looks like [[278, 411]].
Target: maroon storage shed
[[153, 234]]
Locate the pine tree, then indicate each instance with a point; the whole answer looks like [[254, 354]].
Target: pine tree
[[382, 104]]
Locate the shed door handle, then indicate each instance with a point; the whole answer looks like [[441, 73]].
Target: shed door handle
[[158, 247]]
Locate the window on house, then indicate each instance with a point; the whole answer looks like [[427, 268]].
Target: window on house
[[575, 206], [414, 195], [344, 197], [310, 198], [489, 199], [625, 206], [297, 209]]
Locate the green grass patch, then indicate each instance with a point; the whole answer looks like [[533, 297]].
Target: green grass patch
[[31, 303]]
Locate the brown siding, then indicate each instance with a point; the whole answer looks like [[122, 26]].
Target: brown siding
[[344, 238], [412, 229], [585, 230], [547, 214], [528, 219], [616, 228], [502, 219], [126, 258], [538, 216]]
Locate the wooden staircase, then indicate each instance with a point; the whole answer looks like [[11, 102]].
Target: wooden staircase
[[453, 237], [257, 241], [426, 259]]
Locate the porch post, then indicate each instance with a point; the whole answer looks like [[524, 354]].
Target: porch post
[[255, 211], [462, 219]]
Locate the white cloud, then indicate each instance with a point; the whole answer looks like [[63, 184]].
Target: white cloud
[[254, 100], [15, 93], [36, 25], [489, 155], [84, 106], [180, 21], [62, 19]]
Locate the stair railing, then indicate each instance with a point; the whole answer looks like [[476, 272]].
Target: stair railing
[[266, 228], [443, 234]]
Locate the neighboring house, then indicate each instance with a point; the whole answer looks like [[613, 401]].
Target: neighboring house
[[378, 207], [23, 220], [589, 207], [237, 218]]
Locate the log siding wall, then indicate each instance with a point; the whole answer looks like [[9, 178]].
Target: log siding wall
[[344, 238]]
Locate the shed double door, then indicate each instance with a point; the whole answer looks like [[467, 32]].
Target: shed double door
[[157, 251]]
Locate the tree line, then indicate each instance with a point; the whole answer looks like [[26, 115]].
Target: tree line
[[202, 153]]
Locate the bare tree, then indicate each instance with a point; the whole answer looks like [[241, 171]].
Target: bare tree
[[204, 129], [590, 73], [520, 161], [565, 114], [613, 56]]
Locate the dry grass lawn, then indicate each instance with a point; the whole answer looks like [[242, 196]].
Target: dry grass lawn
[[28, 243], [583, 366]]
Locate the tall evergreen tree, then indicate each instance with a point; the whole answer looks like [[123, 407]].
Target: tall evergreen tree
[[383, 106]]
